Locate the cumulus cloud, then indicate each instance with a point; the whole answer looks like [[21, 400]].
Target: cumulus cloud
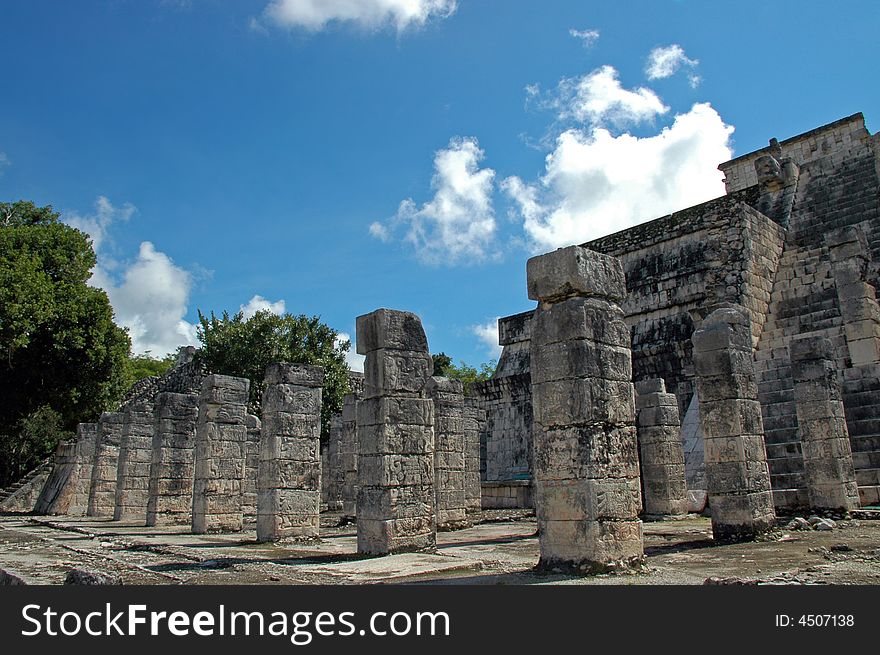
[[315, 15], [598, 98], [596, 183], [149, 295], [97, 224], [355, 362], [258, 304], [587, 38], [666, 61], [488, 334], [458, 223], [151, 301]]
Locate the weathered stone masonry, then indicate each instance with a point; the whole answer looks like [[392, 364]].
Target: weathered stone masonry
[[660, 449], [395, 432], [449, 453], [736, 463], [221, 435], [828, 467], [102, 494], [289, 474], [173, 459], [135, 455], [587, 495]]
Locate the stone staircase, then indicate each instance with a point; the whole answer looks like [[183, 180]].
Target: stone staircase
[[861, 400], [15, 489], [803, 302]]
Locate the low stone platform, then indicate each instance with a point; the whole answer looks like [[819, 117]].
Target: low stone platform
[[499, 550]]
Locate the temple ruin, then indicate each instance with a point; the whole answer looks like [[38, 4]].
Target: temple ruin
[[723, 359]]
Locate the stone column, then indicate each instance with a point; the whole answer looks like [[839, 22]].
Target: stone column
[[737, 477], [135, 456], [471, 417], [587, 492], [173, 459], [251, 467], [86, 442], [661, 450], [102, 494], [57, 490], [850, 256], [395, 432], [449, 471], [348, 457], [828, 463], [333, 474], [289, 475], [221, 434]]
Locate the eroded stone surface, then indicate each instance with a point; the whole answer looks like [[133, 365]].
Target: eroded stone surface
[[173, 459], [289, 473], [221, 437], [586, 466], [395, 435], [737, 476]]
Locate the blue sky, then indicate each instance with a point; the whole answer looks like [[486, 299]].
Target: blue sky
[[334, 156]]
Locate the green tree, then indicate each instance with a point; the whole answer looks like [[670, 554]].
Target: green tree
[[442, 362], [60, 350], [233, 345], [468, 375]]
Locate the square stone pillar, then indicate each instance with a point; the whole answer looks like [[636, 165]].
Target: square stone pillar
[[102, 494], [828, 463], [251, 469], [86, 442], [850, 256], [449, 457], [348, 457], [587, 492], [172, 469], [289, 474], [221, 434], [395, 432], [135, 456], [333, 476], [661, 450], [472, 416], [737, 476]]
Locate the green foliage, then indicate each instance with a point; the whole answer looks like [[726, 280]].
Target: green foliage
[[59, 347], [232, 345], [468, 375], [36, 435], [143, 366], [442, 362]]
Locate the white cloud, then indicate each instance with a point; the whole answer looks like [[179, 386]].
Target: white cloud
[[488, 334], [458, 224], [588, 38], [598, 98], [258, 304], [665, 62], [596, 183], [151, 301], [97, 224], [315, 15], [355, 362], [149, 296]]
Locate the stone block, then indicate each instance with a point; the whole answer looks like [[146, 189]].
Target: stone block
[[390, 329], [575, 271]]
